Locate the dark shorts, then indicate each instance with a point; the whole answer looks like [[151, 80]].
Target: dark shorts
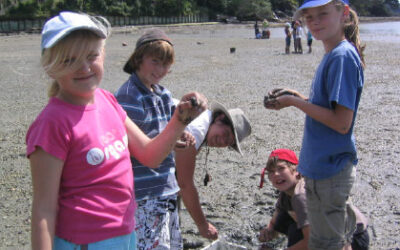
[[309, 42], [287, 226], [360, 238], [287, 41]]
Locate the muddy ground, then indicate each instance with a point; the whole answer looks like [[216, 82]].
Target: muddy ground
[[232, 201]]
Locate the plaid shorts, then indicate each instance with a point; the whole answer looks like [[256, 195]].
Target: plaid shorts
[[157, 224]]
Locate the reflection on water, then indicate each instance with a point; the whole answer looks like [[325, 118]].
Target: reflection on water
[[388, 28], [383, 31], [387, 31]]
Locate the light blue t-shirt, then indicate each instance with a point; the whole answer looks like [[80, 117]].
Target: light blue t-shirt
[[339, 80]]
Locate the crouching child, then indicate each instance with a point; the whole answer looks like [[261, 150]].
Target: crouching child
[[290, 215]]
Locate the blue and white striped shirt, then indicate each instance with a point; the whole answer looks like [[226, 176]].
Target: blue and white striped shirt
[[151, 112]]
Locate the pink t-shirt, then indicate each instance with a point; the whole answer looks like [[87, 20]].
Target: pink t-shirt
[[96, 199]]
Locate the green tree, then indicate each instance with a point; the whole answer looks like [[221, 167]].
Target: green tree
[[254, 9], [172, 7], [119, 8], [393, 4], [26, 9], [286, 6]]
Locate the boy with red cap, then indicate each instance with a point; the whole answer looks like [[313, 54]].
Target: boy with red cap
[[290, 216]]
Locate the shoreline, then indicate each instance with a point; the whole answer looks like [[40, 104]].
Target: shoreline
[[281, 23]]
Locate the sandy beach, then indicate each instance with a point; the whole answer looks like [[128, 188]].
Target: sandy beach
[[231, 201]]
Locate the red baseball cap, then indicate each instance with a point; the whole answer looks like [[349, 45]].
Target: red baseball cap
[[285, 154], [280, 154]]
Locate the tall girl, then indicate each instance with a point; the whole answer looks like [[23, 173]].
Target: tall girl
[[80, 143], [328, 154]]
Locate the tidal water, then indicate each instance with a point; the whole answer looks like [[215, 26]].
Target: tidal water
[[388, 31]]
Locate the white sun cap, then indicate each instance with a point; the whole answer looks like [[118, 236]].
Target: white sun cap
[[63, 24]]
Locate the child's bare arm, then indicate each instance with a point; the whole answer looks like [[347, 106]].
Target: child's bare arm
[[285, 91], [46, 175], [338, 119], [151, 152]]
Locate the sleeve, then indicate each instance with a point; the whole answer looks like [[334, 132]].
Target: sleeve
[[199, 127], [342, 81], [129, 101], [279, 206], [111, 98], [300, 208], [51, 136]]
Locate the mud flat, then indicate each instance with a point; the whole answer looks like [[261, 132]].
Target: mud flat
[[232, 200]]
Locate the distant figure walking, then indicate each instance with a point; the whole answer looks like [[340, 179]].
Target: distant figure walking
[[309, 41], [288, 38], [294, 35], [299, 31], [257, 30], [265, 30]]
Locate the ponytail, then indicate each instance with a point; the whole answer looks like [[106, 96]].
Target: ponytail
[[352, 34], [53, 89]]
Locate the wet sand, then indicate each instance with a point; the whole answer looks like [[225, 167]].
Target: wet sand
[[232, 200]]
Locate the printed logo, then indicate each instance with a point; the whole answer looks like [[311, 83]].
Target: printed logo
[[95, 156]]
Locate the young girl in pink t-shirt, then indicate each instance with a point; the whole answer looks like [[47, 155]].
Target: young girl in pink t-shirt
[[80, 144]]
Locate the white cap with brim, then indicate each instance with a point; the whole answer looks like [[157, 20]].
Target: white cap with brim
[[60, 26], [311, 4], [240, 123]]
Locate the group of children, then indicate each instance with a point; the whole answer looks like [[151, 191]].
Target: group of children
[[85, 143], [296, 33]]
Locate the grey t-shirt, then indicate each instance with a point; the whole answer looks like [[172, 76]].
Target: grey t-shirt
[[295, 206]]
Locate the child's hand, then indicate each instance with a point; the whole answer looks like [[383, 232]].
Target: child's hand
[[280, 98], [208, 231], [267, 234], [191, 106], [284, 91], [186, 140], [278, 102]]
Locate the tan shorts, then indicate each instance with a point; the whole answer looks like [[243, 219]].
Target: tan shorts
[[332, 221]]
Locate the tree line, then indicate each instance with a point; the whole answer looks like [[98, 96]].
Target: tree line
[[241, 9]]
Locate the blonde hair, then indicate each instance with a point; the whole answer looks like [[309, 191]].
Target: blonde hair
[[351, 30], [159, 49]]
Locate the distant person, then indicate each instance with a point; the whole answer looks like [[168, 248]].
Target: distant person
[[80, 143], [288, 38], [217, 127], [151, 107], [299, 33], [309, 41], [265, 30], [257, 30], [294, 35], [328, 153], [290, 216]]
